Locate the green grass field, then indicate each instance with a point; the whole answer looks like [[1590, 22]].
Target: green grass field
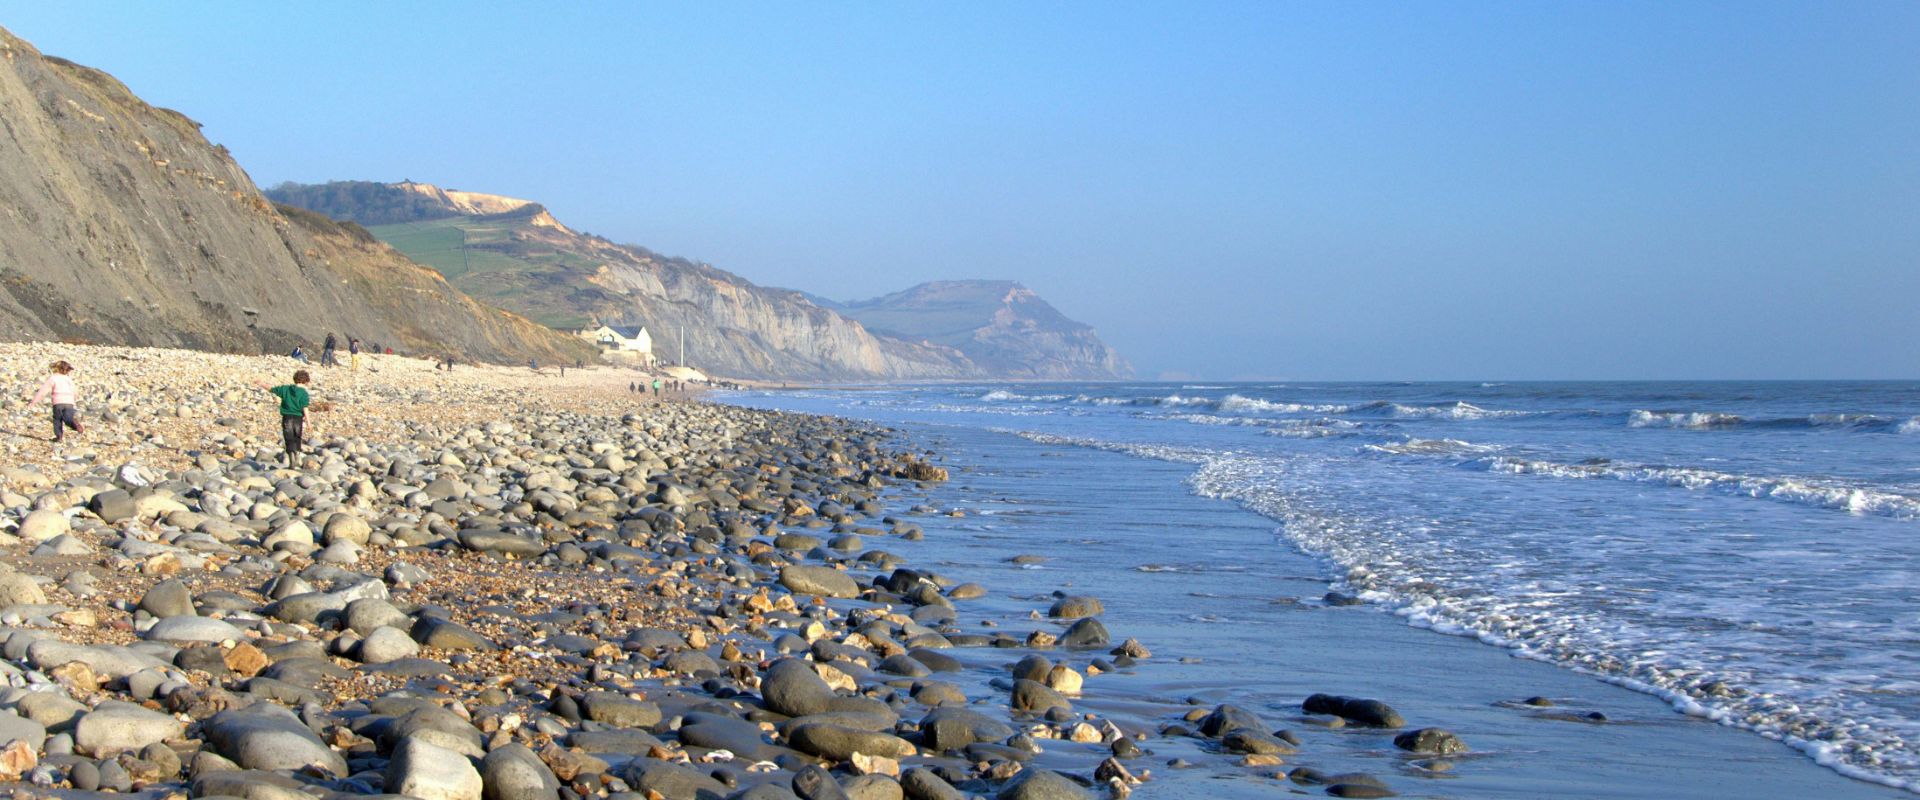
[[444, 246]]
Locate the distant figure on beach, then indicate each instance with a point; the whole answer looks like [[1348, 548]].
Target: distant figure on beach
[[632, 387], [327, 357], [294, 402], [533, 365], [353, 352], [656, 387], [299, 354], [449, 362], [58, 388]]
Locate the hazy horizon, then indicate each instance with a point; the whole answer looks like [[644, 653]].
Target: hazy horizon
[[1305, 191]]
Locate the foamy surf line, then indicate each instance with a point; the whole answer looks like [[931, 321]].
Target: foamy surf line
[[1812, 492], [1862, 749]]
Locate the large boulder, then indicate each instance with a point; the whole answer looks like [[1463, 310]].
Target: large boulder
[[513, 772], [1075, 607], [44, 524], [817, 580], [1037, 698], [839, 743], [1042, 784], [266, 736], [346, 528], [429, 772], [168, 598], [1358, 711], [1438, 741], [953, 728], [114, 726], [384, 645], [18, 590], [192, 629], [618, 710]]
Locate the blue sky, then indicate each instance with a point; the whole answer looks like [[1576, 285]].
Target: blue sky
[[1277, 189]]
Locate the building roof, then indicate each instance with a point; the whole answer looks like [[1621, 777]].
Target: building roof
[[627, 331]]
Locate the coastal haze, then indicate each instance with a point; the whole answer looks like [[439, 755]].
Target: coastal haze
[[913, 403]]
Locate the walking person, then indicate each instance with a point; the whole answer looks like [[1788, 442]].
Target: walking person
[[656, 387], [59, 390], [353, 352], [294, 402], [327, 357]]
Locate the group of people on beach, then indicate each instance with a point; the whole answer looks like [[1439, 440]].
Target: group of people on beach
[[59, 390]]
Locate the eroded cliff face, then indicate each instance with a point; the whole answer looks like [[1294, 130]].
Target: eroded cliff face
[[1003, 327], [515, 254], [121, 224]]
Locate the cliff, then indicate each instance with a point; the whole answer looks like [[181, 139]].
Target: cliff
[[515, 254], [121, 224], [1004, 328]]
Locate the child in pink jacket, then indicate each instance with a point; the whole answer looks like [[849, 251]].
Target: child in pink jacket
[[59, 389]]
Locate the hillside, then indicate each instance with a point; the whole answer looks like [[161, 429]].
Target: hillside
[[1002, 326], [521, 258], [122, 224]]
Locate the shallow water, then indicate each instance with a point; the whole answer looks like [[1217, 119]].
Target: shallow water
[[1758, 571]]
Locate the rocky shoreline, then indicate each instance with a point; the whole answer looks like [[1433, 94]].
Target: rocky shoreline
[[496, 585]]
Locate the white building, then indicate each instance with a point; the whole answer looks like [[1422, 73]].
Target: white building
[[625, 340]]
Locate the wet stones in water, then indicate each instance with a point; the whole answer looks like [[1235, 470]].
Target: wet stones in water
[[1042, 784], [814, 783], [1338, 600], [1437, 741], [1254, 742], [921, 783], [1036, 697], [1358, 711], [1225, 719], [1359, 790], [1075, 607], [967, 591], [840, 743], [953, 728], [1085, 633]]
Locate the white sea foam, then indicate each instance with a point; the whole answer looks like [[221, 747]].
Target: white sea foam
[[1430, 447], [1697, 420], [1816, 492], [1005, 396], [1234, 403], [1713, 651]]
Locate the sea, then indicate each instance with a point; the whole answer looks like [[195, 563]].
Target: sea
[[1717, 584]]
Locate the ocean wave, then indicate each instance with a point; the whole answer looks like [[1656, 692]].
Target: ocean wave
[[1430, 447], [1004, 396], [1714, 420], [1815, 492], [1234, 403], [1458, 410]]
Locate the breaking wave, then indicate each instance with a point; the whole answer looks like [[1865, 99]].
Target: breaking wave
[[1815, 492]]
